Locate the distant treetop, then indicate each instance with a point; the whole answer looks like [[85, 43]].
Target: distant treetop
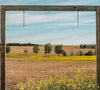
[[20, 44]]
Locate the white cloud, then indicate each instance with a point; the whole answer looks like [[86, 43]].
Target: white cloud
[[69, 2], [74, 24], [69, 17], [88, 21], [74, 2], [66, 24], [82, 23], [17, 18]]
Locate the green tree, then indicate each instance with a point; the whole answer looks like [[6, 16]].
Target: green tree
[[71, 53], [84, 46], [7, 49], [58, 49], [90, 53], [81, 53], [48, 48], [64, 53], [25, 50], [81, 46], [36, 49]]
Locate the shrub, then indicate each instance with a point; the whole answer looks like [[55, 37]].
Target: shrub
[[7, 49], [87, 54], [81, 53], [71, 53], [91, 46], [95, 52], [25, 50], [64, 53], [90, 52], [36, 49], [94, 47]]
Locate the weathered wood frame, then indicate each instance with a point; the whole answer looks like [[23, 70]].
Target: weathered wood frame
[[5, 8]]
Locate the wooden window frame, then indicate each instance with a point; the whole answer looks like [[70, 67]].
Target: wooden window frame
[[4, 8]]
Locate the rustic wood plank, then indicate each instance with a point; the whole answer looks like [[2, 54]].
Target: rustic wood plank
[[98, 43], [48, 8], [3, 43], [0, 47]]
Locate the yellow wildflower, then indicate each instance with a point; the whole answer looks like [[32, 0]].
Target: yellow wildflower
[[21, 88]]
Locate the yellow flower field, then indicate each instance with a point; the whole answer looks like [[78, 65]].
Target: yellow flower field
[[42, 58], [78, 81]]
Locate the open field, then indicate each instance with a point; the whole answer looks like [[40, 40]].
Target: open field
[[68, 49], [21, 68]]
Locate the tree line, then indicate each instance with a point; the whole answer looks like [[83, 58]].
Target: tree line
[[20, 44], [88, 46], [48, 47], [30, 44], [58, 50]]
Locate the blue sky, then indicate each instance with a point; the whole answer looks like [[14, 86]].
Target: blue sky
[[55, 27]]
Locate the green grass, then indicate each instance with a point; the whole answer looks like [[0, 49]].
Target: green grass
[[46, 58]]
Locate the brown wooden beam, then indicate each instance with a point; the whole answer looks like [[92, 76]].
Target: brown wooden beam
[[3, 43], [0, 48], [48, 8], [98, 43]]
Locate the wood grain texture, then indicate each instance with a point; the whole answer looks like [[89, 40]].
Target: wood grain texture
[[98, 43], [3, 43], [48, 8], [0, 47]]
